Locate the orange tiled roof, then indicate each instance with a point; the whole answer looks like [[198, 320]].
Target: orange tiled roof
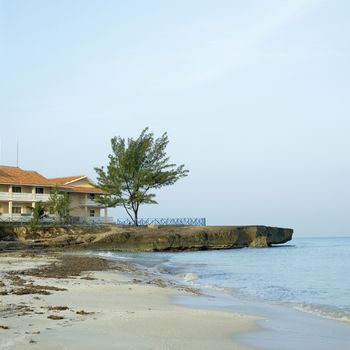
[[17, 176], [64, 180]]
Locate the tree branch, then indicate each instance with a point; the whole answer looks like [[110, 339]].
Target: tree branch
[[126, 209]]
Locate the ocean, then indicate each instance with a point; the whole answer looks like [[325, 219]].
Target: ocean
[[308, 274], [301, 290]]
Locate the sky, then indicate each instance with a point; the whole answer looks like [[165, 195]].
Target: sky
[[254, 95]]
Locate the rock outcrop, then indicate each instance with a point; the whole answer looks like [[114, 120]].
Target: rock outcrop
[[154, 238]]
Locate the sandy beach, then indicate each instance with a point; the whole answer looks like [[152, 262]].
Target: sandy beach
[[72, 302]]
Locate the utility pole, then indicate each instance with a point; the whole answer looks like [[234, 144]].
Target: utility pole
[[17, 152]]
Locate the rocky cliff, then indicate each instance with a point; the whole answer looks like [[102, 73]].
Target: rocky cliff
[[153, 238]]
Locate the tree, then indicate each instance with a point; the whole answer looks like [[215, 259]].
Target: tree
[[38, 214], [135, 168], [60, 204]]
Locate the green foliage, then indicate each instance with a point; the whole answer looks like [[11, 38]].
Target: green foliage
[[38, 214], [60, 205], [136, 167]]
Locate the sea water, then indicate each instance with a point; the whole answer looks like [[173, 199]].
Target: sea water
[[308, 274]]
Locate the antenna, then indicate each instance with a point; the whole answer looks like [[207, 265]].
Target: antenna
[[17, 152]]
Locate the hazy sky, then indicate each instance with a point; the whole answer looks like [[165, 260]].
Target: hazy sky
[[255, 97]]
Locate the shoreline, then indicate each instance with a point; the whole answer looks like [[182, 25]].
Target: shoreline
[[115, 301], [101, 304], [276, 324], [279, 326]]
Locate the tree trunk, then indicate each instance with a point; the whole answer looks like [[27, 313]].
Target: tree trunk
[[135, 216]]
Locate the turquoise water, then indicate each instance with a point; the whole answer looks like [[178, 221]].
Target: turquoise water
[[309, 274]]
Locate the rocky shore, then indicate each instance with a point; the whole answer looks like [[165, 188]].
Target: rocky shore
[[151, 238]]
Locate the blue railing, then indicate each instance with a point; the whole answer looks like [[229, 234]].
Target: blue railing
[[165, 221]]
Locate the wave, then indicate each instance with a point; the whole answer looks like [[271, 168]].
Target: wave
[[323, 311], [188, 276], [111, 255]]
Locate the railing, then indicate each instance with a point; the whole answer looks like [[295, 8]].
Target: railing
[[95, 220], [4, 196], [28, 197], [15, 218], [90, 202], [22, 196], [26, 218], [165, 221], [42, 197]]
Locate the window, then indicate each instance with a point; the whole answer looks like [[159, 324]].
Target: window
[[91, 196], [16, 210], [16, 189], [92, 212], [39, 190]]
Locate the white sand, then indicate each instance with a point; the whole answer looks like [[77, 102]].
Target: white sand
[[124, 315]]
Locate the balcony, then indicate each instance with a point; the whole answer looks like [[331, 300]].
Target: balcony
[[90, 203], [42, 197], [24, 197], [4, 196]]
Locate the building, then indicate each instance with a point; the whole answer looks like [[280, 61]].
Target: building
[[20, 189]]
